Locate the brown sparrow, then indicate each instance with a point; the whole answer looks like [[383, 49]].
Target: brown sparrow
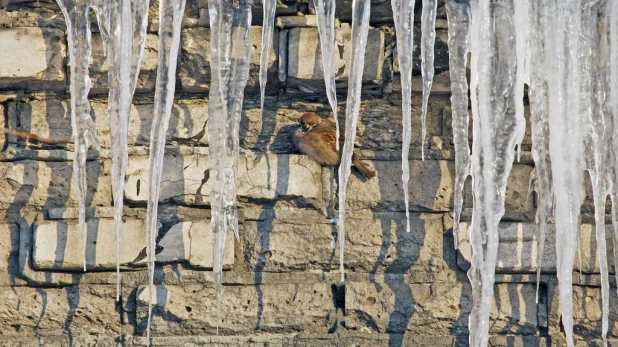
[[316, 139]]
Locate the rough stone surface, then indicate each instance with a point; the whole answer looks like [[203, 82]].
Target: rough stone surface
[[35, 59]]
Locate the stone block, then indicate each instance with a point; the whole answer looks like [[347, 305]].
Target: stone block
[[50, 118], [57, 245], [281, 308], [394, 306], [303, 242], [194, 68], [51, 184], [35, 60], [185, 179], [83, 310], [305, 57], [518, 250]]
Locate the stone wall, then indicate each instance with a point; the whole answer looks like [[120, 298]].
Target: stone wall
[[282, 282]]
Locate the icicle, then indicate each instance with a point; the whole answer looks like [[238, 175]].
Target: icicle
[[403, 14], [613, 109], [325, 10], [360, 28], [123, 26], [539, 124], [458, 25], [428, 31], [267, 43], [562, 21], [230, 53], [84, 129], [494, 67], [520, 20], [170, 25]]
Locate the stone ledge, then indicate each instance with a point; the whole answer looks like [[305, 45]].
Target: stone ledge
[[35, 61], [57, 245]]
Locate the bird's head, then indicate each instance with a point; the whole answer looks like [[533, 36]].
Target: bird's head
[[309, 120]]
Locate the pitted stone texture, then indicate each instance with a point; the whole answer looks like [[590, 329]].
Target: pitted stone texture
[[186, 178], [395, 306], [282, 308], [305, 57], [518, 250], [84, 310], [57, 245], [99, 66], [34, 59], [194, 69], [372, 244], [51, 184], [9, 249]]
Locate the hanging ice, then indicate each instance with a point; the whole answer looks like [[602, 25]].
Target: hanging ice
[[612, 69], [267, 42], [170, 24], [84, 129], [325, 10], [360, 28], [494, 66], [403, 15], [428, 31], [123, 25], [230, 53], [458, 13], [520, 21]]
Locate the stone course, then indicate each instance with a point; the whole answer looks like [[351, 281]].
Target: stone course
[[281, 280]]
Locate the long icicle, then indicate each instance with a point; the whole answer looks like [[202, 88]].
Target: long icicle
[[458, 13], [360, 28], [170, 20], [84, 129], [268, 26], [230, 54], [494, 138], [325, 11], [124, 24], [403, 15], [428, 39]]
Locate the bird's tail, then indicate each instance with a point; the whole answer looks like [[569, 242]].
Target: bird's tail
[[363, 169]]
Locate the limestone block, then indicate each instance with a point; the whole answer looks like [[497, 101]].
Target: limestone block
[[305, 60], [518, 250], [84, 310], [194, 68], [51, 184], [303, 242], [35, 60], [430, 187], [99, 66], [50, 118], [186, 178], [275, 308], [57, 245], [394, 306], [190, 240]]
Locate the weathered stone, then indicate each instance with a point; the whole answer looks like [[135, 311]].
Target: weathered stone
[[87, 310], [50, 118], [50, 184], [381, 11], [305, 57], [371, 244], [518, 251], [394, 306], [194, 68], [309, 21], [259, 177], [273, 308], [99, 66], [9, 248], [35, 61]]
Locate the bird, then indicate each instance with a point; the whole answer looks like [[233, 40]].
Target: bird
[[315, 138]]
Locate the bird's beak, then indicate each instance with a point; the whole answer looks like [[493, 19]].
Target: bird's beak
[[305, 127]]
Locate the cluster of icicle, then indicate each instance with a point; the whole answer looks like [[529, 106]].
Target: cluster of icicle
[[567, 54]]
